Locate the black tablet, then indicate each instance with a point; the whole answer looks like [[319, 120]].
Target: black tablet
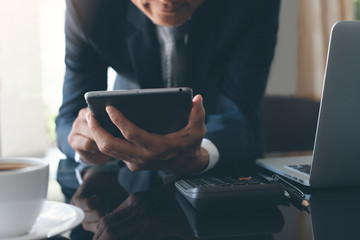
[[157, 110]]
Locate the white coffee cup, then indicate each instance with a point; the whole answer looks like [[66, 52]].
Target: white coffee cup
[[22, 194]]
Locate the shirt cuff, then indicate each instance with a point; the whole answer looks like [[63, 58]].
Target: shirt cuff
[[79, 170], [213, 154], [77, 157]]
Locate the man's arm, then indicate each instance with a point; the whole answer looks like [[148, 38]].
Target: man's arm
[[85, 71], [235, 127]]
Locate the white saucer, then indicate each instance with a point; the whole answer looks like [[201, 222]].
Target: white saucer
[[55, 218]]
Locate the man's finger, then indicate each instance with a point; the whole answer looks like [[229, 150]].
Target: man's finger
[[83, 143], [90, 226], [86, 203], [130, 131], [116, 229], [80, 126], [93, 215], [197, 114], [109, 144]]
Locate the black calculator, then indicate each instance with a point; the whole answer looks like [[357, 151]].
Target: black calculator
[[230, 193]]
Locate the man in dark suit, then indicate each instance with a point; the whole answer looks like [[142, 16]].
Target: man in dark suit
[[229, 49]]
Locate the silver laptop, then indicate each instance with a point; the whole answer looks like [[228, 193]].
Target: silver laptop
[[335, 161]]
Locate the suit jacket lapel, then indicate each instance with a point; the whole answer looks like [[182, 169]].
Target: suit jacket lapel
[[132, 28], [101, 20], [143, 49], [145, 54], [138, 32]]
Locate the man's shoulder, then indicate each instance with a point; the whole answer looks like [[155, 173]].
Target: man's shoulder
[[234, 13], [92, 13], [237, 7], [92, 8], [99, 2]]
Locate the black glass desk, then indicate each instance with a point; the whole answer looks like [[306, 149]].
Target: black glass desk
[[333, 214], [163, 214]]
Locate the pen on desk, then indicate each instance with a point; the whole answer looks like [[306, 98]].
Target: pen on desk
[[303, 202], [291, 191]]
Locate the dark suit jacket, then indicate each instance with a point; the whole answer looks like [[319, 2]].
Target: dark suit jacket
[[230, 48]]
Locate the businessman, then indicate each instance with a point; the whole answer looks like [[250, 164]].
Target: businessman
[[221, 49]]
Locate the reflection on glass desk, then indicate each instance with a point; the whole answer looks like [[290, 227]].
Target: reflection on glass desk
[[163, 214], [263, 222], [333, 214]]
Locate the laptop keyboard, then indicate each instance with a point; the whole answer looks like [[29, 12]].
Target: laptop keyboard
[[303, 168]]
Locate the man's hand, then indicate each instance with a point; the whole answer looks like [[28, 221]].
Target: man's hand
[[82, 141], [98, 195], [177, 153]]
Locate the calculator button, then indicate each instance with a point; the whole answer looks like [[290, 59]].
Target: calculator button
[[220, 181]]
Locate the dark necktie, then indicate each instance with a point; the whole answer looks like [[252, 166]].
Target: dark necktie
[[174, 62]]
